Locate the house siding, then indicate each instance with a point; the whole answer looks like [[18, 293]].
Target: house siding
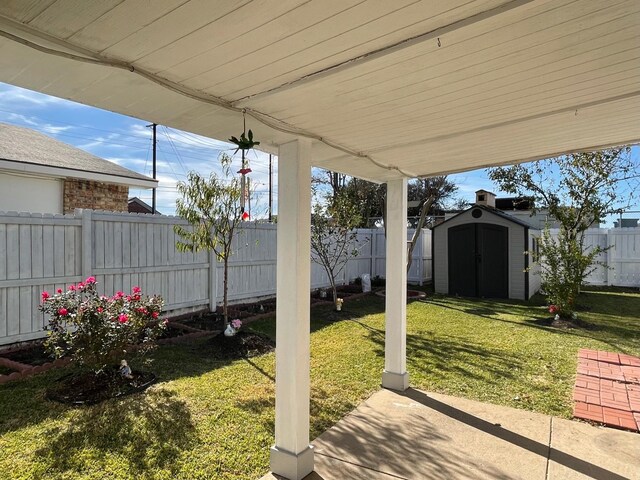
[[534, 268], [88, 194], [516, 251], [27, 193]]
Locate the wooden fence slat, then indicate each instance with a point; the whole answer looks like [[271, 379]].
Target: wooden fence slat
[[13, 252], [3, 312], [3, 252]]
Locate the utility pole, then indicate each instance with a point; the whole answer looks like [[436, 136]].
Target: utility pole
[[153, 197], [270, 187]]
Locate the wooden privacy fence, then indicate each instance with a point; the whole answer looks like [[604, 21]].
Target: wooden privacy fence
[[46, 252]]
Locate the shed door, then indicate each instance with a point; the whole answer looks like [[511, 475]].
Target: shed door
[[478, 260], [462, 260], [493, 260]]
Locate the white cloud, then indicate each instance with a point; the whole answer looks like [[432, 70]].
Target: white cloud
[[10, 94]]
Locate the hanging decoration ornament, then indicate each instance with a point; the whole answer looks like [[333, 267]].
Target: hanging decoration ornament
[[243, 144]]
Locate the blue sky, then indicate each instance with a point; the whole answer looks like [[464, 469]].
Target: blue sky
[[127, 142]]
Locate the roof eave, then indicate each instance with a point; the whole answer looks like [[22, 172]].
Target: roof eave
[[57, 172]]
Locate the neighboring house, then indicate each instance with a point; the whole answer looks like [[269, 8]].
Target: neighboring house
[[138, 206], [40, 174], [626, 223], [481, 252]]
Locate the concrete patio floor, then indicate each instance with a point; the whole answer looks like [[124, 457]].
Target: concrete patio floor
[[419, 435]]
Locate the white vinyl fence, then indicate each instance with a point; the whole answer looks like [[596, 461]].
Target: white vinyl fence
[[47, 252], [622, 259]]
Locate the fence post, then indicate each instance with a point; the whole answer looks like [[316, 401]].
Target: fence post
[[213, 281], [374, 247], [87, 242], [609, 257]]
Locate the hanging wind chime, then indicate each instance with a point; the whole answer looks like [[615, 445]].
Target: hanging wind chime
[[243, 144]]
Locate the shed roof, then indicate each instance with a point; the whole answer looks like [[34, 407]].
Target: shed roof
[[492, 211], [27, 150]]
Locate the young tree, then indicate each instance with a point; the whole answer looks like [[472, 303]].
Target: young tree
[[212, 207], [333, 240], [578, 190], [431, 192], [368, 199]]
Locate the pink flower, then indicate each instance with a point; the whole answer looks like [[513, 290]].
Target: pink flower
[[119, 295], [63, 312], [90, 280], [136, 290], [100, 309], [123, 318], [553, 309], [135, 298], [72, 288], [45, 295], [154, 314], [141, 310], [236, 323], [80, 285], [59, 290]]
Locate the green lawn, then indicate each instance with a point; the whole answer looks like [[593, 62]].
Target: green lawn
[[214, 420]]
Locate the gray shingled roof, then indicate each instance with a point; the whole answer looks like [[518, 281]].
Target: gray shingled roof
[[24, 145]]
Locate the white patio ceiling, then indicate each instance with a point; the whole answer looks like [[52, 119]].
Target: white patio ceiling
[[412, 87]]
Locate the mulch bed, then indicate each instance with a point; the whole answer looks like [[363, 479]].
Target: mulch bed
[[33, 354], [208, 322], [244, 344], [564, 323], [343, 291], [607, 389], [32, 359], [411, 294], [88, 388]]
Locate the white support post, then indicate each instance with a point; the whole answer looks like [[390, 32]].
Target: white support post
[[292, 456], [395, 376]]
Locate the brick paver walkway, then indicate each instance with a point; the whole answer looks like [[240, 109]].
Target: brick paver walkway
[[607, 389]]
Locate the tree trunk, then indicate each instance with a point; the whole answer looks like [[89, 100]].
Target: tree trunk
[[334, 290], [426, 206], [225, 290]]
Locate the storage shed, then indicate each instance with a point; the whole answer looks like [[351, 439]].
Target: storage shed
[[482, 252]]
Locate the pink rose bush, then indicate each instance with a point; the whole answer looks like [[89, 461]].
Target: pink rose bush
[[99, 331]]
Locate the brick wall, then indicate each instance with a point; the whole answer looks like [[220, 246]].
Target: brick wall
[[94, 195]]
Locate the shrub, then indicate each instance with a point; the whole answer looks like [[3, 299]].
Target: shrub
[[98, 331], [564, 264]]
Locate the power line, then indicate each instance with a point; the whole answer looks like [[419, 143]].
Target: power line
[[166, 134]]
